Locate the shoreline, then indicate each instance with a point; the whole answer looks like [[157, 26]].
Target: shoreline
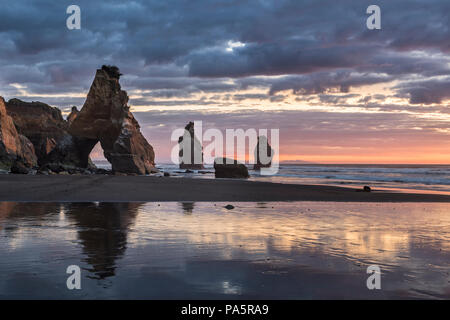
[[105, 188]]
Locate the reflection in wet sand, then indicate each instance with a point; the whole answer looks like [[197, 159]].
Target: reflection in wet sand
[[257, 250], [102, 229], [188, 207]]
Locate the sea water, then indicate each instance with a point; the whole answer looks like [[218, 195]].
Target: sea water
[[401, 178]]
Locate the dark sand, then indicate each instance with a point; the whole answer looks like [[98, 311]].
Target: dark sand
[[141, 188]]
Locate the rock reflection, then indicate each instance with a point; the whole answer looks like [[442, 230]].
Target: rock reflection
[[16, 211], [102, 230], [5, 210], [188, 207]]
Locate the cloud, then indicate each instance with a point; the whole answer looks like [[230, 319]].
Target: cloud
[[185, 53], [154, 41], [427, 92], [312, 133], [339, 81]]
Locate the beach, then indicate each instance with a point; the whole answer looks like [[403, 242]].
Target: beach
[[108, 188], [201, 250]]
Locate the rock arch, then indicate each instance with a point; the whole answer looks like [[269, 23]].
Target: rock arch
[[106, 118], [59, 145]]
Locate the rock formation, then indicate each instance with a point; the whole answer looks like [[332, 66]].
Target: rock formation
[[106, 117], [73, 114], [34, 133], [190, 149], [45, 127], [264, 147], [42, 124], [228, 168], [15, 149]]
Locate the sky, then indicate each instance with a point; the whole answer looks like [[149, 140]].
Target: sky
[[338, 92]]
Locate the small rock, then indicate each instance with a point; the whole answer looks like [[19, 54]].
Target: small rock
[[57, 168], [19, 168], [101, 171], [229, 207], [166, 174], [367, 189]]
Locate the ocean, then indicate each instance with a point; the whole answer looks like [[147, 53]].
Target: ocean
[[406, 178]]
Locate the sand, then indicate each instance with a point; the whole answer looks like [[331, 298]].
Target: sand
[[106, 188], [172, 250]]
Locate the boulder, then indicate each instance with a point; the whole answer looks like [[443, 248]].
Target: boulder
[[15, 149], [228, 168], [364, 189], [106, 117], [263, 148], [190, 149], [19, 168]]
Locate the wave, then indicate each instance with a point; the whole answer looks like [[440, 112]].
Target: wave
[[409, 177]]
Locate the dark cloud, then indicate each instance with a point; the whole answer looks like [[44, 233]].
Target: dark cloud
[[181, 47], [427, 92], [288, 57], [321, 82]]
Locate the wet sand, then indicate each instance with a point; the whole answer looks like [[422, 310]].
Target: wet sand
[[141, 188], [201, 250]]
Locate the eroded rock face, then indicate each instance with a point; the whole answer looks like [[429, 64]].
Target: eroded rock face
[[106, 117], [191, 150], [228, 168], [70, 153], [15, 149], [45, 127], [42, 124]]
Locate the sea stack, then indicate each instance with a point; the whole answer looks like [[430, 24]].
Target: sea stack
[[191, 150], [72, 115], [106, 118], [263, 148]]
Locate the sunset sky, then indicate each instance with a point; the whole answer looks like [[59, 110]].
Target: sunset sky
[[338, 92]]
